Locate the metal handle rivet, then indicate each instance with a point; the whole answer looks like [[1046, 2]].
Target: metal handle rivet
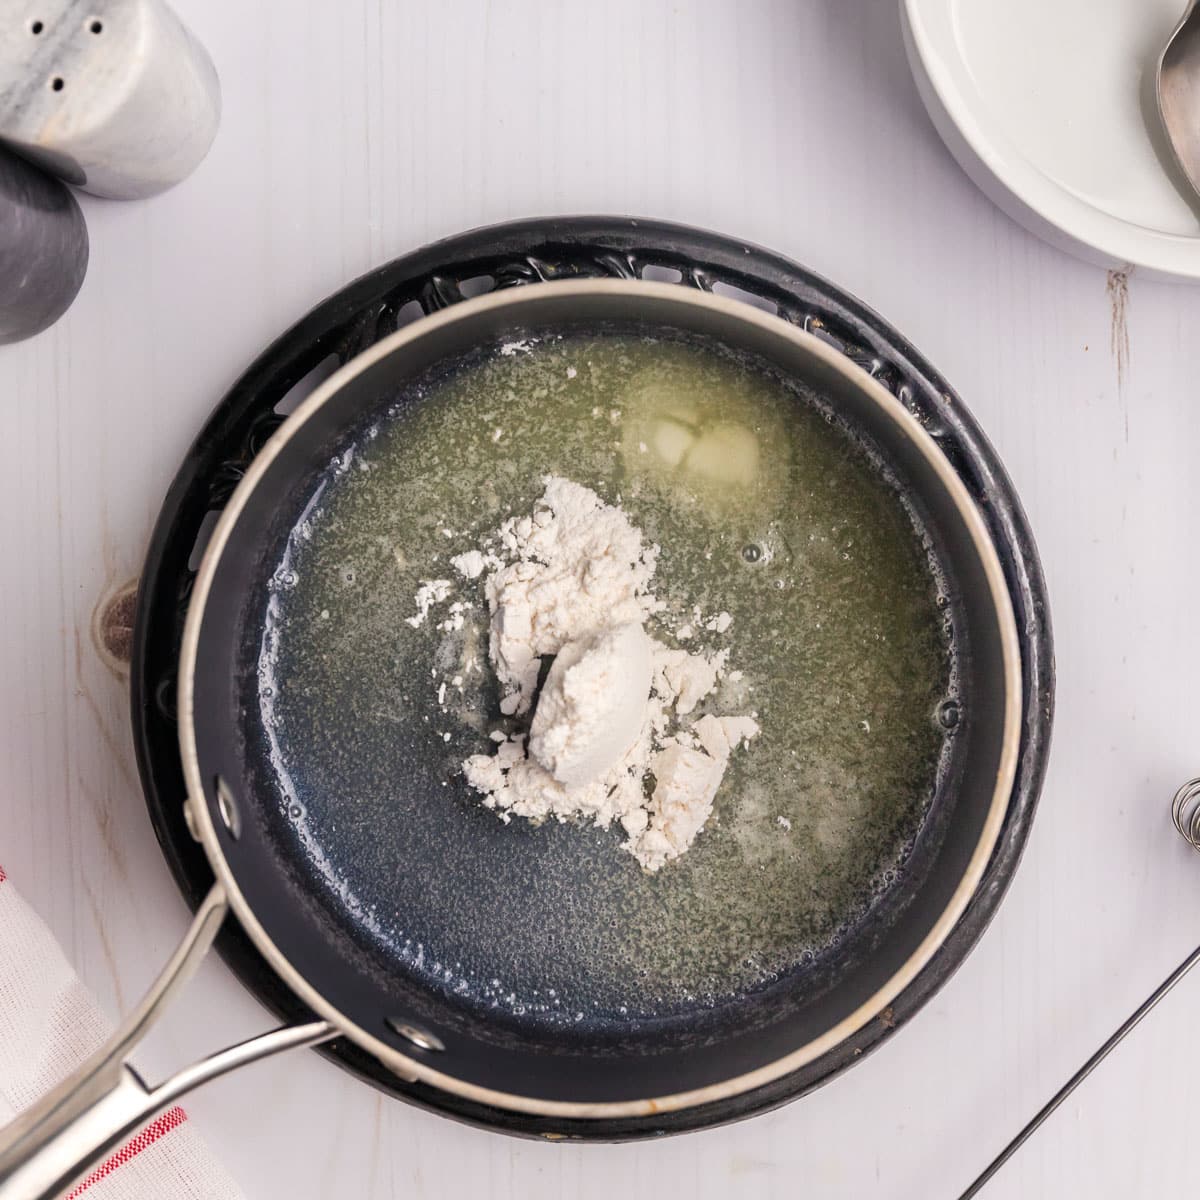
[[228, 809], [421, 1038]]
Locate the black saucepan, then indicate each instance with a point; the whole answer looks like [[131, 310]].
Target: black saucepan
[[395, 1005]]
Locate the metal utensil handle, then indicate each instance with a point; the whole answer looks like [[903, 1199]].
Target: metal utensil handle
[[1088, 1067], [73, 1126], [1185, 812]]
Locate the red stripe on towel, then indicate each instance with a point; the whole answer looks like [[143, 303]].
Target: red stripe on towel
[[140, 1141]]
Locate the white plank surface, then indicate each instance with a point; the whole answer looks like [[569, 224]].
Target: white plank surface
[[353, 132]]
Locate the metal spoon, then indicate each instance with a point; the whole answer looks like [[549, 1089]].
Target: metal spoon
[[1177, 86]]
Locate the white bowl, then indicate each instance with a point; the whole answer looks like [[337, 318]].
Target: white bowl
[[1048, 106]]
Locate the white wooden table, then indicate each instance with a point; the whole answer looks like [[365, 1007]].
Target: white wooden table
[[354, 132]]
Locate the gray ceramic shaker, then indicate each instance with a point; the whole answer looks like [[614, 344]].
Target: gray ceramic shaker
[[43, 249], [114, 96]]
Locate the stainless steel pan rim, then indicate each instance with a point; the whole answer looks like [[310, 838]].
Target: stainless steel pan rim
[[411, 1068]]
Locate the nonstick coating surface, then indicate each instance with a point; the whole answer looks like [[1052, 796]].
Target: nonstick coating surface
[[611, 1059]]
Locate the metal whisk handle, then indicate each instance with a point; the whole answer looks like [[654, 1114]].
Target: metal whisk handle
[[1185, 812]]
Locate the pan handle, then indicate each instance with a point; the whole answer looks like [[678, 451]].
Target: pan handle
[[74, 1125]]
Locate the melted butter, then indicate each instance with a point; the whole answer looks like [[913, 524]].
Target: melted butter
[[764, 508]]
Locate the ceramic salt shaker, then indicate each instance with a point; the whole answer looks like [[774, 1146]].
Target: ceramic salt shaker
[[43, 249], [114, 96]]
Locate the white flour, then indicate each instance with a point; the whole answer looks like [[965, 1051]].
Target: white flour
[[431, 592], [576, 566], [593, 704], [572, 579]]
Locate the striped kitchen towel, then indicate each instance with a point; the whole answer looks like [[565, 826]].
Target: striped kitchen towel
[[49, 1023]]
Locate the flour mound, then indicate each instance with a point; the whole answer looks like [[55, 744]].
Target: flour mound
[[592, 705], [572, 578], [578, 566]]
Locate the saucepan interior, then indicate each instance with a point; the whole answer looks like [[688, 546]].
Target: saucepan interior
[[510, 963]]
